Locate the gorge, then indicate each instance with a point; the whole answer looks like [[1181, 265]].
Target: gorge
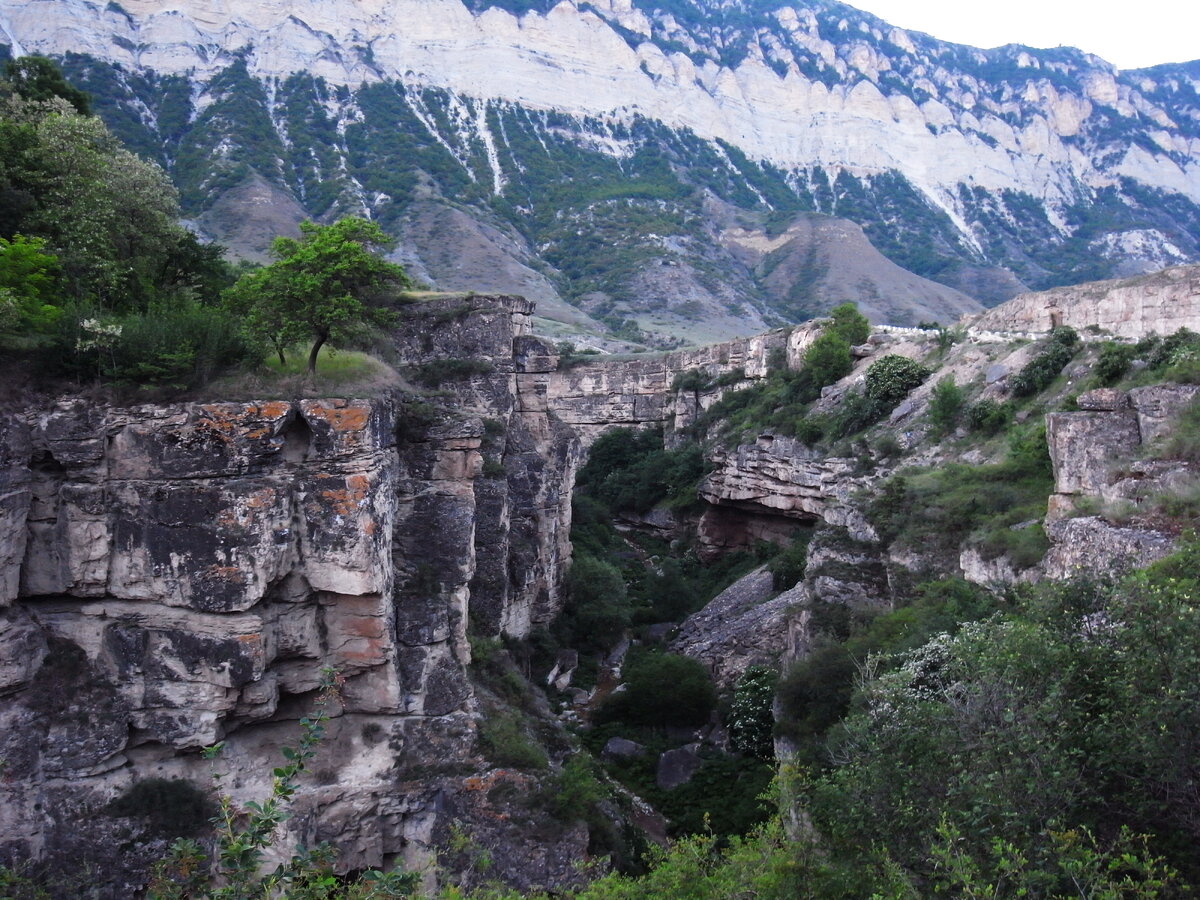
[[179, 574]]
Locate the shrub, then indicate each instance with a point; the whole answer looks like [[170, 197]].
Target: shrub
[[989, 417], [849, 324], [504, 743], [179, 347], [828, 359], [1039, 372], [597, 610], [1113, 363], [945, 404], [891, 378], [661, 690], [751, 722], [855, 412], [787, 568]]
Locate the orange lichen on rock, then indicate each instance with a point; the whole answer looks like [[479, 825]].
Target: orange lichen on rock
[[342, 418]]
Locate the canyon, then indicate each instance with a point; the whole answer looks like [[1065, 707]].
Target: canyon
[[176, 575]]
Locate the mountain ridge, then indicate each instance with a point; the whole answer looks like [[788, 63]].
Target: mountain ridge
[[599, 131]]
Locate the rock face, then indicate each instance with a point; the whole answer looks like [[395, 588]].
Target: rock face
[[1160, 303], [740, 627], [174, 576], [1097, 460], [758, 490]]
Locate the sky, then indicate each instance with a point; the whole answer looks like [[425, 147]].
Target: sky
[[1130, 35]]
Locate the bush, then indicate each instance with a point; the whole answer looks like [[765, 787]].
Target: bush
[[828, 359], [1113, 363], [597, 610], [849, 324], [504, 743], [661, 690], [989, 417], [1039, 372], [179, 347], [751, 722], [945, 405], [787, 568], [891, 378]]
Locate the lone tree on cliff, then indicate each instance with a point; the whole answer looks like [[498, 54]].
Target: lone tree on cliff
[[324, 287]]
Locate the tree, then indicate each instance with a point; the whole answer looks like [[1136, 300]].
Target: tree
[[945, 404], [110, 217], [828, 359], [38, 78], [28, 286], [849, 324], [325, 286]]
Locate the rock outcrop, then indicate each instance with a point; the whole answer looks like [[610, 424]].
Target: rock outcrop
[[1160, 303], [1099, 465], [178, 575], [745, 625]]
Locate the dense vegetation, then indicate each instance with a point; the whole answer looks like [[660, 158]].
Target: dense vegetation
[[97, 277], [100, 281]]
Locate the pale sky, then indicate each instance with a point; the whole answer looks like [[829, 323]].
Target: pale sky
[[1131, 34]]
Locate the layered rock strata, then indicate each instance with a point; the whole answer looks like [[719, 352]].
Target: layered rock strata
[[1100, 466]]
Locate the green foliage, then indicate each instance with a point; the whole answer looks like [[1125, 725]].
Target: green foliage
[[828, 359], [15, 885], [180, 347], [1073, 713], [1113, 362], [326, 286], [661, 690], [29, 289], [946, 402], [989, 417], [1037, 374], [629, 470], [504, 742], [891, 378], [938, 509], [38, 78], [849, 324], [787, 568], [751, 721], [597, 610], [172, 807]]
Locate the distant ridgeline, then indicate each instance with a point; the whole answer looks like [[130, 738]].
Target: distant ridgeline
[[652, 160]]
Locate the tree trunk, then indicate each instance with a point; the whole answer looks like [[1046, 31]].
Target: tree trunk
[[282, 358], [312, 354]]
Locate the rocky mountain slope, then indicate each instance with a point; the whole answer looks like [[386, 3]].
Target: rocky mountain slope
[[625, 156]]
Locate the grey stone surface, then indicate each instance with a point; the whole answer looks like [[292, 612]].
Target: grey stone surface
[[676, 767]]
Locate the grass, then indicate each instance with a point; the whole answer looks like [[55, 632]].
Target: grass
[[347, 372]]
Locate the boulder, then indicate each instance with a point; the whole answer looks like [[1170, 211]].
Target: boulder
[[676, 767]]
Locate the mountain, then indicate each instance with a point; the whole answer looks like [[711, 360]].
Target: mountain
[[641, 159]]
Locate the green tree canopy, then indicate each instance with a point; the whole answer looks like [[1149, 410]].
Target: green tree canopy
[[38, 78], [849, 324], [324, 287], [28, 285]]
